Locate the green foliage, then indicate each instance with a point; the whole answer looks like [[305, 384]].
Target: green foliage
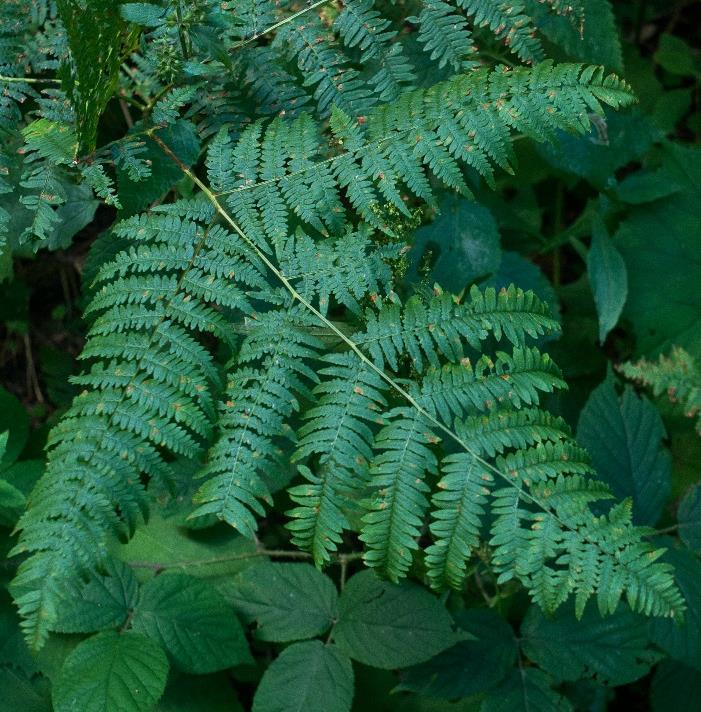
[[280, 430], [659, 321], [675, 375], [682, 642], [192, 623], [689, 516], [470, 667], [625, 438], [609, 280], [376, 623], [95, 33], [310, 676], [287, 601], [112, 671], [612, 649]]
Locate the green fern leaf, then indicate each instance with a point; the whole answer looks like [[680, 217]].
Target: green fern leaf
[[398, 505]]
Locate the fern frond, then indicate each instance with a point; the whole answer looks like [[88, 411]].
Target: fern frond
[[339, 434], [676, 375], [146, 395], [492, 433], [283, 170], [49, 147], [348, 267], [250, 18], [509, 23], [590, 556], [361, 26], [443, 327], [181, 278], [516, 379], [458, 510], [31, 44], [272, 87], [324, 67], [95, 33], [444, 33], [398, 505], [258, 402]]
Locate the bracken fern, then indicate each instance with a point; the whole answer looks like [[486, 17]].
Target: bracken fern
[[413, 419]]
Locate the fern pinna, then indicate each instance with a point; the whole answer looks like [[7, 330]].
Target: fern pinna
[[416, 419]]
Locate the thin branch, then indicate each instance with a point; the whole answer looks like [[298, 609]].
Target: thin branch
[[667, 530], [32, 377], [278, 25], [126, 113], [157, 566], [30, 80], [272, 553]]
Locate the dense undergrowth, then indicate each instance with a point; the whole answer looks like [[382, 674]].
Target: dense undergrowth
[[351, 355]]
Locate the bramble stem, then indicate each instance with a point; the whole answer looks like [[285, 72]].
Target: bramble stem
[[342, 559]]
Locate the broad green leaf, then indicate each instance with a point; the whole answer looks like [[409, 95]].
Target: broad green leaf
[[676, 56], [613, 141], [103, 602], [674, 686], [143, 13], [525, 690], [661, 245], [470, 667], [458, 247], [308, 677], [612, 648], [609, 281], [15, 421], [624, 438], [376, 691], [192, 622], [52, 656], [77, 212], [12, 503], [214, 556], [110, 671], [516, 269], [288, 601], [646, 186], [682, 641], [23, 475], [689, 518], [391, 626], [181, 137]]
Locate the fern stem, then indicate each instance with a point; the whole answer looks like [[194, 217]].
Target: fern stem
[[666, 530], [30, 80], [277, 25]]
